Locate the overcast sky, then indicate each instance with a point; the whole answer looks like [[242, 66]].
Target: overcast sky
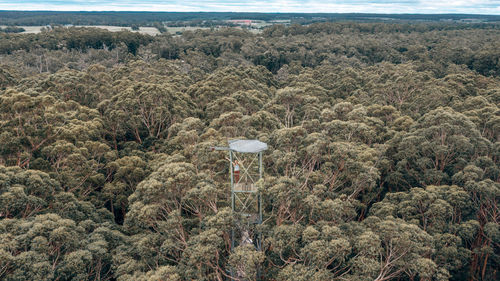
[[305, 6]]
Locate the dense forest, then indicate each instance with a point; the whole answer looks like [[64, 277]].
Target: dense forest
[[383, 159]]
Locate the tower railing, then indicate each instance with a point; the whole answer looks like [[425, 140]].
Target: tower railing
[[246, 172]]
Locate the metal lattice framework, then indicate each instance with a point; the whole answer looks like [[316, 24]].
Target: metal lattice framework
[[246, 170]]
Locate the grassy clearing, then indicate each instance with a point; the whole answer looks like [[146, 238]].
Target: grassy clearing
[[143, 30]]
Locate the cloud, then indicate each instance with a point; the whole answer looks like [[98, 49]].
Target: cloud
[[305, 6]]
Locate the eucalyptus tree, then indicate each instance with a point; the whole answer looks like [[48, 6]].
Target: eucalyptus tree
[[437, 146]]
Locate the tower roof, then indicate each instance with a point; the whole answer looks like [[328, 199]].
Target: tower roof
[[247, 146]]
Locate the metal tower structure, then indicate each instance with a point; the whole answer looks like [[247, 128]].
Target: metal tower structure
[[245, 157]]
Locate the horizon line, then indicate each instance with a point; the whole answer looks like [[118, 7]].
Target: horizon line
[[220, 12]]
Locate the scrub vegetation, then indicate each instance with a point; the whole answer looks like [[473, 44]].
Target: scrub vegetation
[[383, 159]]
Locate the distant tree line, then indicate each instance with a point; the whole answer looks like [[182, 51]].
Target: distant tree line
[[148, 18], [73, 38], [12, 29], [433, 46]]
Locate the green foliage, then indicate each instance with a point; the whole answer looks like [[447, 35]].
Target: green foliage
[[383, 159]]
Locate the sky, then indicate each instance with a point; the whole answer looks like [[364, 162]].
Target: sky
[[491, 7]]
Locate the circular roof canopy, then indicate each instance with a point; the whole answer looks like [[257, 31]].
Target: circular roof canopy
[[247, 146]]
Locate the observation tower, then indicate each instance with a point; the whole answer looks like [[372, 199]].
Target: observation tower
[[246, 170]]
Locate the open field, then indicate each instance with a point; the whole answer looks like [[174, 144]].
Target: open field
[[173, 30], [143, 30], [29, 29]]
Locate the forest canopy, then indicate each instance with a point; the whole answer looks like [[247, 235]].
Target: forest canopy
[[383, 159]]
